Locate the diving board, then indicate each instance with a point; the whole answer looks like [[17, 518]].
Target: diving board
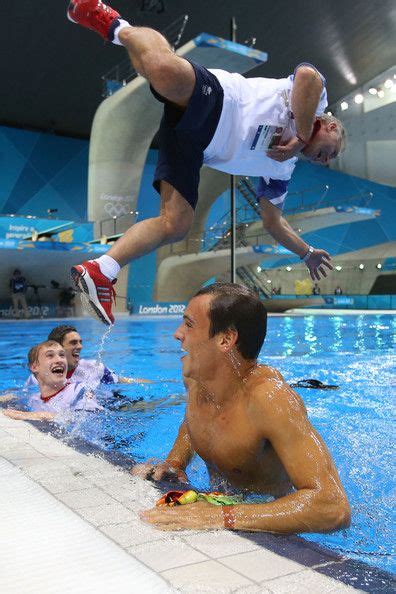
[[37, 235]]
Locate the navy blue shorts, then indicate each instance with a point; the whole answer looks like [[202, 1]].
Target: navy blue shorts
[[185, 134]]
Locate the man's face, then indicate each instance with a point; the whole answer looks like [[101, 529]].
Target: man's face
[[72, 344], [193, 333], [51, 365], [324, 146]]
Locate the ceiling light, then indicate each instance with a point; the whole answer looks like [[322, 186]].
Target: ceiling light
[[379, 265], [361, 266], [288, 268], [373, 91], [344, 105], [359, 98], [258, 268], [329, 113], [338, 268], [269, 280], [388, 84], [381, 94]]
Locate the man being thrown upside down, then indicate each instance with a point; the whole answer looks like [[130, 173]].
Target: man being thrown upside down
[[249, 427], [212, 117]]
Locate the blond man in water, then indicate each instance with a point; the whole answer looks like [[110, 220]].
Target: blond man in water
[[249, 427], [55, 394]]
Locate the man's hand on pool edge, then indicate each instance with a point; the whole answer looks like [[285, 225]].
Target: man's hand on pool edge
[[159, 472], [197, 516]]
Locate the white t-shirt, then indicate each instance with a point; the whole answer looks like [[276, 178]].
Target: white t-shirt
[[254, 109], [74, 396], [88, 371]]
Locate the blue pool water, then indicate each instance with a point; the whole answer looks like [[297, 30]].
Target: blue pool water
[[354, 352]]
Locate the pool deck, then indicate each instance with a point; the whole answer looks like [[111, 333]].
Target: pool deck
[[69, 523]]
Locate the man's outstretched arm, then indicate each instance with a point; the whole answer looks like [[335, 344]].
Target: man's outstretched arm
[[277, 226], [22, 415]]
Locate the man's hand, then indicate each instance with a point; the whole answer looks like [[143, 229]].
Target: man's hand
[[316, 263], [159, 472], [195, 516], [286, 151]]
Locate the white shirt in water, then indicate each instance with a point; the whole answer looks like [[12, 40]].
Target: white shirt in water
[[254, 111], [73, 396], [88, 371]]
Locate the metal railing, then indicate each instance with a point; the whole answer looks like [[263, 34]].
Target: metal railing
[[124, 72]]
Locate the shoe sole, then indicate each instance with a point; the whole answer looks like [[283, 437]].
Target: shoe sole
[[85, 284]]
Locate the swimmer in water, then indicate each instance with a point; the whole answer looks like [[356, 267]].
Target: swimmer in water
[[249, 427], [48, 363], [250, 127], [88, 371]]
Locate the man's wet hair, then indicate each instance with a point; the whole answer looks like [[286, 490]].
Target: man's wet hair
[[59, 332], [34, 352], [238, 308]]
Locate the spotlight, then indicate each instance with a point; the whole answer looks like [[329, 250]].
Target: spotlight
[[338, 267], [329, 113], [361, 266], [379, 265], [344, 105], [258, 268], [359, 98], [269, 280], [381, 93], [289, 268], [388, 84], [373, 91]]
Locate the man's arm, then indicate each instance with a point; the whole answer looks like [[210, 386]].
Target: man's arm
[[306, 92], [319, 503], [278, 227], [176, 461], [133, 380], [21, 415], [7, 397]]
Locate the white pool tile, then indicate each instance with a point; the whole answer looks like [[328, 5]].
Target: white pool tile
[[66, 483], [220, 543], [166, 554], [307, 582], [17, 450], [132, 533], [41, 467], [208, 576], [102, 515], [91, 497], [261, 565]]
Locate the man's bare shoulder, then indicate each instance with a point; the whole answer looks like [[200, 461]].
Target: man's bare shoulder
[[270, 396]]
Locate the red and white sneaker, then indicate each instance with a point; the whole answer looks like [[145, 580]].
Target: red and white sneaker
[[97, 288], [94, 15]]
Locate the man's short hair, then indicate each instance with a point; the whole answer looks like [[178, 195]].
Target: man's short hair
[[34, 352], [59, 332], [238, 308], [341, 132]]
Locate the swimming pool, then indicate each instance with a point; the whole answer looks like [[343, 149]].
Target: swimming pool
[[354, 352]]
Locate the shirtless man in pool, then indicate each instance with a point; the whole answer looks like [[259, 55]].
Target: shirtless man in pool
[[248, 425]]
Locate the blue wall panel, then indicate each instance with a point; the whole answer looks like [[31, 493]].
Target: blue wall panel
[[40, 171]]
